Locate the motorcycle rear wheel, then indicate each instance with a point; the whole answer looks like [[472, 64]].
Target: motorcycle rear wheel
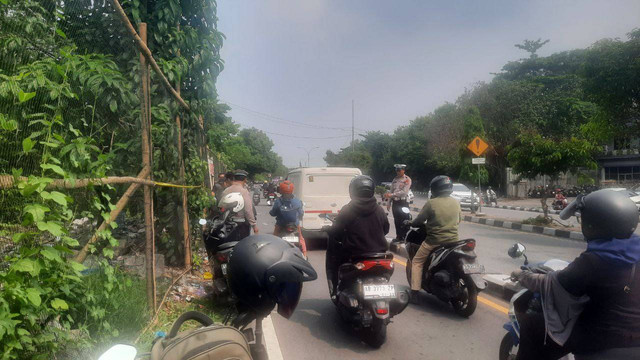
[[467, 305], [376, 334], [507, 348]]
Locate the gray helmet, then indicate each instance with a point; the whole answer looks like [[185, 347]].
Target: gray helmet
[[265, 270], [361, 187], [441, 185], [605, 215]]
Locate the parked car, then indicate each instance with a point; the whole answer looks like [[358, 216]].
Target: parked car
[[464, 196]]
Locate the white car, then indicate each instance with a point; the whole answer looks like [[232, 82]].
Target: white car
[[464, 196]]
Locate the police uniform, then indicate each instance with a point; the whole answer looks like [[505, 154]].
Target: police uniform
[[399, 192]]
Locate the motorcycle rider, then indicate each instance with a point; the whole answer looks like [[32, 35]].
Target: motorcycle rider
[[491, 196], [288, 209], [601, 286], [238, 185], [442, 216], [360, 226]]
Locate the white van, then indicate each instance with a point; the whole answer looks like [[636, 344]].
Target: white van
[[322, 190]]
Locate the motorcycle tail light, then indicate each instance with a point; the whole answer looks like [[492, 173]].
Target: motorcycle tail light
[[382, 311], [291, 229], [368, 264], [469, 246], [222, 258]]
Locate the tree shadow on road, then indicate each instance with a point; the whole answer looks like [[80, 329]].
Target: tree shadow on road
[[324, 323]]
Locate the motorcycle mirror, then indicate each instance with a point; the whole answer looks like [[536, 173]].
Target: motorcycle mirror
[[119, 352], [405, 210], [516, 251], [202, 222]]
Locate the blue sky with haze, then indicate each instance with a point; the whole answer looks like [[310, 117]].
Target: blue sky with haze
[[305, 60]]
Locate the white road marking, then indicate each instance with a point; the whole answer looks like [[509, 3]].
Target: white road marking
[[271, 339], [265, 224]]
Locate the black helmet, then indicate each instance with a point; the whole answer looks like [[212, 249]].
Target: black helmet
[[441, 185], [605, 215], [265, 270], [361, 187]]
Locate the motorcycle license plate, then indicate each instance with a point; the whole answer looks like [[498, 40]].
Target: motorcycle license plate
[[473, 268], [224, 269], [379, 291], [291, 239]]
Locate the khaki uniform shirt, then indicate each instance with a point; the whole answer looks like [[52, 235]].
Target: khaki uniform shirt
[[248, 201], [442, 216], [400, 187]]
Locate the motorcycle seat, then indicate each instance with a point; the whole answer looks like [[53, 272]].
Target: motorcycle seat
[[371, 256], [454, 243]]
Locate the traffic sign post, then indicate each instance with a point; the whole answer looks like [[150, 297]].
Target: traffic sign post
[[478, 147]]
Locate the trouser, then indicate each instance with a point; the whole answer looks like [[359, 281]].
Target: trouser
[[399, 217], [303, 245], [417, 264], [242, 231]]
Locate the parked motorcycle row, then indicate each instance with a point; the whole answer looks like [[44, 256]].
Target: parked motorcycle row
[[551, 191]]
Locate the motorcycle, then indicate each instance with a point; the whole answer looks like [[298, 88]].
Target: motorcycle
[[526, 301], [290, 233], [219, 239], [451, 271], [560, 202], [364, 297], [256, 198], [271, 198]]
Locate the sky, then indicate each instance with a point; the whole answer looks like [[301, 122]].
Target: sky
[[294, 67]]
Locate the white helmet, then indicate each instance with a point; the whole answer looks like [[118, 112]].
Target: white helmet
[[233, 201]]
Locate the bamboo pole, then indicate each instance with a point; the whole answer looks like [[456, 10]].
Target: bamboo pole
[[122, 202], [7, 182], [146, 162], [185, 210]]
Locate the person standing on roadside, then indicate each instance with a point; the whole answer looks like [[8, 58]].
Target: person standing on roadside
[[397, 199], [238, 185]]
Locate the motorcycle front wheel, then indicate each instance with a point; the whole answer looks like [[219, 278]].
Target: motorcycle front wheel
[[376, 334], [508, 350], [466, 304]]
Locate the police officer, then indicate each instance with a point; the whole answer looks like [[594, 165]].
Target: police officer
[[398, 199], [238, 185]]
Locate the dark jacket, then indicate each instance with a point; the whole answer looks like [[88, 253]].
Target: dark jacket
[[362, 224], [611, 318]]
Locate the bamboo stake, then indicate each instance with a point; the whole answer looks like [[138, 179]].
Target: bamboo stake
[[185, 210], [148, 210], [7, 181], [122, 202]]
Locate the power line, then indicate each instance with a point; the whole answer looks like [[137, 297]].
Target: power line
[[283, 121]]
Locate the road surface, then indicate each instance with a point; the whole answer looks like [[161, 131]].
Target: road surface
[[430, 330]]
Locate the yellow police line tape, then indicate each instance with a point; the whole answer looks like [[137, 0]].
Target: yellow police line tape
[[481, 299], [158, 183]]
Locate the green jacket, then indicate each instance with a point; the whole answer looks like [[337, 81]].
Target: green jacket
[[442, 216]]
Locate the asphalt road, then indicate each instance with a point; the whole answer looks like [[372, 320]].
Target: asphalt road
[[430, 330]]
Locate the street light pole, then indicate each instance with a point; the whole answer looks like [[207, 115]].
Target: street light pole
[[308, 152]]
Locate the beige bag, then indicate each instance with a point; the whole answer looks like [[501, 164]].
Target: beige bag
[[210, 342]]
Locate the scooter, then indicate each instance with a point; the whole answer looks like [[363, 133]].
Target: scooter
[[271, 198], [451, 272], [220, 237], [560, 202], [364, 298], [291, 233], [526, 301]]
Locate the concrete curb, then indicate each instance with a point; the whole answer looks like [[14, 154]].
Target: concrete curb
[[566, 234], [522, 208]]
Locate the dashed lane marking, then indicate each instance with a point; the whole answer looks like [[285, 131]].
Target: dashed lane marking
[[481, 299]]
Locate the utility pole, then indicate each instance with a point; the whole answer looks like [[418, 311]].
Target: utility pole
[[353, 151]]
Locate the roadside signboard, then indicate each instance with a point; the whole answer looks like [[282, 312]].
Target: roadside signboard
[[477, 146], [478, 161]]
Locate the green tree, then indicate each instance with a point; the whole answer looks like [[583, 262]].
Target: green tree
[[534, 155]]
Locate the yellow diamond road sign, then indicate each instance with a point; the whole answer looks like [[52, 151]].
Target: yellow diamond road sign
[[477, 146]]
